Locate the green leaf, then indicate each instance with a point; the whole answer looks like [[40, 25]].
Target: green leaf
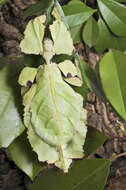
[[93, 81], [2, 2], [114, 14], [76, 13], [60, 10], [34, 33], [94, 140], [74, 1], [40, 6], [48, 50], [107, 40], [76, 33], [33, 60], [10, 104], [90, 32], [56, 129], [112, 74], [63, 43], [23, 156], [85, 174]]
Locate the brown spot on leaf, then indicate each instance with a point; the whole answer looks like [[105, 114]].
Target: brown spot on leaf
[[29, 84], [69, 75]]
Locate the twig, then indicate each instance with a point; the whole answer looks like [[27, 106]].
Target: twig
[[113, 158], [120, 138]]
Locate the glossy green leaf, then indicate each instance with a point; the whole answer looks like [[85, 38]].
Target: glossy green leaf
[[112, 74], [106, 40], [24, 157], [34, 33], [40, 6], [76, 33], [76, 14], [60, 10], [90, 32], [10, 104], [114, 14], [85, 174], [94, 140], [93, 81], [63, 43], [56, 129]]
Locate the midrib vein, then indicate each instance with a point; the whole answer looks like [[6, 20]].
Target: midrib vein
[[5, 106], [54, 96], [55, 105]]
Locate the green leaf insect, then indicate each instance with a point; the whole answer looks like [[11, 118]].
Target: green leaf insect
[[34, 33], [53, 113], [74, 81], [48, 50], [55, 119]]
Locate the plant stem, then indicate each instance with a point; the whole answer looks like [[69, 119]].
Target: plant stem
[[85, 1], [120, 138], [113, 158]]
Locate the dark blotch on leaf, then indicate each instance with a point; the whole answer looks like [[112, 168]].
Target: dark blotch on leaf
[[69, 75], [29, 84]]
